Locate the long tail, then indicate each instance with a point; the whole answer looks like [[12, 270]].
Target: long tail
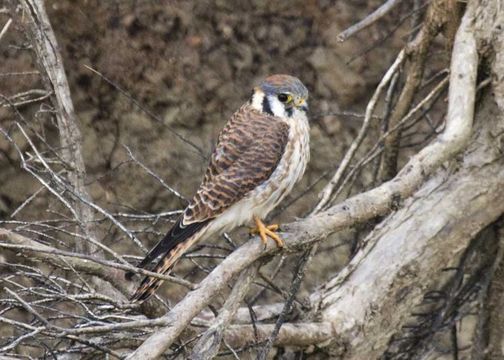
[[178, 240]]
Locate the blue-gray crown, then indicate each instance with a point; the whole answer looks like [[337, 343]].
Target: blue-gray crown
[[277, 84]]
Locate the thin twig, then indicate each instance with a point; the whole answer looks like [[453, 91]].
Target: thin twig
[[45, 249], [49, 58], [299, 272], [154, 175], [417, 54], [5, 28], [326, 193], [199, 150], [376, 15], [376, 149], [209, 343]]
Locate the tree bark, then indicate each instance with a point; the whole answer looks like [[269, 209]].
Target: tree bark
[[406, 254]]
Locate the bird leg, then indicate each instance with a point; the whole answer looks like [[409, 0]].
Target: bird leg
[[265, 231]]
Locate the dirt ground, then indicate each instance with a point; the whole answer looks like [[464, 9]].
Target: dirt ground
[[192, 63]]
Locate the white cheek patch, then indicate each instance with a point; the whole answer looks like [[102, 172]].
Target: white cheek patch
[[257, 100], [277, 108]]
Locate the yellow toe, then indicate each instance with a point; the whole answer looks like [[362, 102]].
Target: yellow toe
[[267, 231]]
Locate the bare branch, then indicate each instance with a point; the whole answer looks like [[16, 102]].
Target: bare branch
[[291, 334], [325, 195], [375, 150], [209, 344], [5, 28], [82, 262], [436, 17], [376, 15], [81, 200], [50, 60], [296, 283], [154, 175]]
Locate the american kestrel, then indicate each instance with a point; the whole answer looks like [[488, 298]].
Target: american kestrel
[[260, 154]]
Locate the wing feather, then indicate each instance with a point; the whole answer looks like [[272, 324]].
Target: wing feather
[[177, 234], [248, 150]]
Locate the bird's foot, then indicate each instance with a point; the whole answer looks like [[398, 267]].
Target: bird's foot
[[255, 230], [265, 231]]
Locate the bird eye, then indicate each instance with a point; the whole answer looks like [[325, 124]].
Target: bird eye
[[285, 98]]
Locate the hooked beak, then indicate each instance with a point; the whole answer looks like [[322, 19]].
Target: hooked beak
[[301, 104]]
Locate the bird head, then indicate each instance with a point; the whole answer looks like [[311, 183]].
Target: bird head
[[281, 95]]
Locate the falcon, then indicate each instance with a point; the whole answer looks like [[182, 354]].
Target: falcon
[[260, 154]]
